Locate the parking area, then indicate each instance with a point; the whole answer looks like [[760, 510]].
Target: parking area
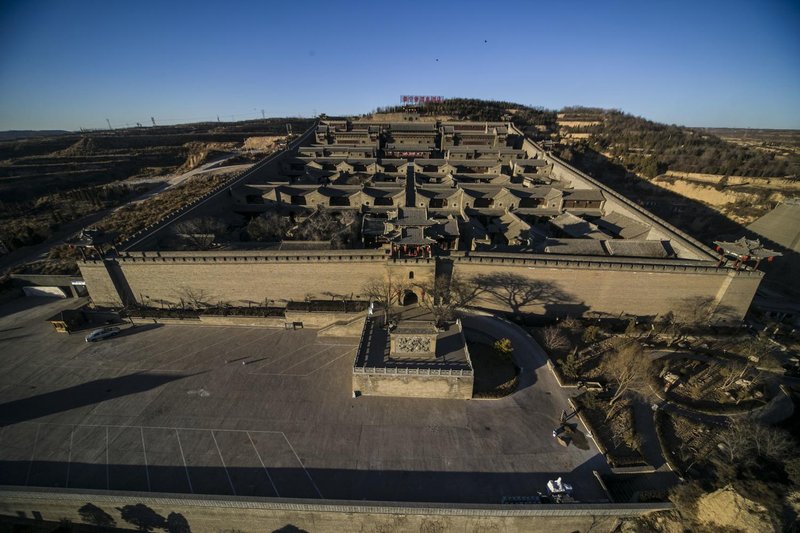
[[257, 412]]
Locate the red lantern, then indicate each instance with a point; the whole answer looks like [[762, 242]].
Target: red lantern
[[769, 259]]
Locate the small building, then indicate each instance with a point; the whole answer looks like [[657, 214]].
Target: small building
[[584, 200], [68, 320]]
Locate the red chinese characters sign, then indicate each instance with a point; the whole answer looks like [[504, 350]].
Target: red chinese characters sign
[[421, 99]]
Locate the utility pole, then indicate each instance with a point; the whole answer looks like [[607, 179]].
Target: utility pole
[[153, 121], [262, 115], [109, 123]]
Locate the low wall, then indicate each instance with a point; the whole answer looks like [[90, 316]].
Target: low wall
[[453, 387], [250, 321], [219, 513], [320, 319], [714, 179]]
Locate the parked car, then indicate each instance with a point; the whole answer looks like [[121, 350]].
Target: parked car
[[102, 333]]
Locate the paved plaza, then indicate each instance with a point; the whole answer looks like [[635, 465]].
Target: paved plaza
[[259, 412]]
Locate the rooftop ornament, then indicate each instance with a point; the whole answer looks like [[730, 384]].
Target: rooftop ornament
[[744, 250]]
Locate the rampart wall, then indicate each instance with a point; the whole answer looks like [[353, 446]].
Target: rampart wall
[[684, 245], [557, 288], [165, 278], [524, 283], [220, 513]]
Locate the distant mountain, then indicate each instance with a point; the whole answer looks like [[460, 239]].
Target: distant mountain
[[12, 135]]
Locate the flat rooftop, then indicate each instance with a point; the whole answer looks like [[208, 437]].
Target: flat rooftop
[[451, 352]]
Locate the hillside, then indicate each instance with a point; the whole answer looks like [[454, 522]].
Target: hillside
[[649, 148], [49, 184]]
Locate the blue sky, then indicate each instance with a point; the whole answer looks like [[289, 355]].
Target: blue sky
[[71, 64]]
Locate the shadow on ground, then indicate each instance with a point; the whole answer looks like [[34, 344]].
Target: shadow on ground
[[81, 395]]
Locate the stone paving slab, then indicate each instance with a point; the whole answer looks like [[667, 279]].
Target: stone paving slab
[[174, 409]]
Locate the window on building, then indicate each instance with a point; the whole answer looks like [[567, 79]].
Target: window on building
[[411, 274]]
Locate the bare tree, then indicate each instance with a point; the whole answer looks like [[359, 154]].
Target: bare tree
[[443, 296], [385, 291], [194, 298], [701, 311], [732, 372], [745, 440], [200, 233], [629, 369], [554, 339], [270, 227], [759, 350]]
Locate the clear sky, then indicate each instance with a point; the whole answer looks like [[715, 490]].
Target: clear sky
[[71, 64]]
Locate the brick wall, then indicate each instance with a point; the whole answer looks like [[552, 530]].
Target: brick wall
[[561, 291], [544, 286], [414, 386]]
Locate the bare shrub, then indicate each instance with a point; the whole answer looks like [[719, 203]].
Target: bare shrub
[[554, 339]]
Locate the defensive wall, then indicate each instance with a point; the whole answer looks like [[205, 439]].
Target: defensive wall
[[147, 237], [558, 287], [219, 513], [552, 285], [684, 245], [544, 284]]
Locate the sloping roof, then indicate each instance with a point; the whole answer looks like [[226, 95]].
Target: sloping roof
[[296, 191], [413, 216], [575, 226], [383, 192], [485, 192], [584, 195], [781, 225], [414, 236], [476, 163], [373, 226], [339, 191], [474, 229], [511, 226], [409, 147], [432, 162], [438, 192], [530, 162], [636, 248], [538, 191], [444, 228], [424, 127], [625, 227], [745, 247], [574, 247]]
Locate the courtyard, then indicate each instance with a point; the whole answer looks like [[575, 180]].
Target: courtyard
[[261, 412]]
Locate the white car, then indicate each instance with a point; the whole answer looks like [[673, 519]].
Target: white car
[[102, 333]]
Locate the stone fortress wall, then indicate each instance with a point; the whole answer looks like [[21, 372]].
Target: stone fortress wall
[[547, 284], [556, 287]]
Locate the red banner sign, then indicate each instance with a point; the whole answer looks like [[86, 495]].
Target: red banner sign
[[421, 99]]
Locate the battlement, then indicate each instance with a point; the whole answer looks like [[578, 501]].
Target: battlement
[[599, 263]]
